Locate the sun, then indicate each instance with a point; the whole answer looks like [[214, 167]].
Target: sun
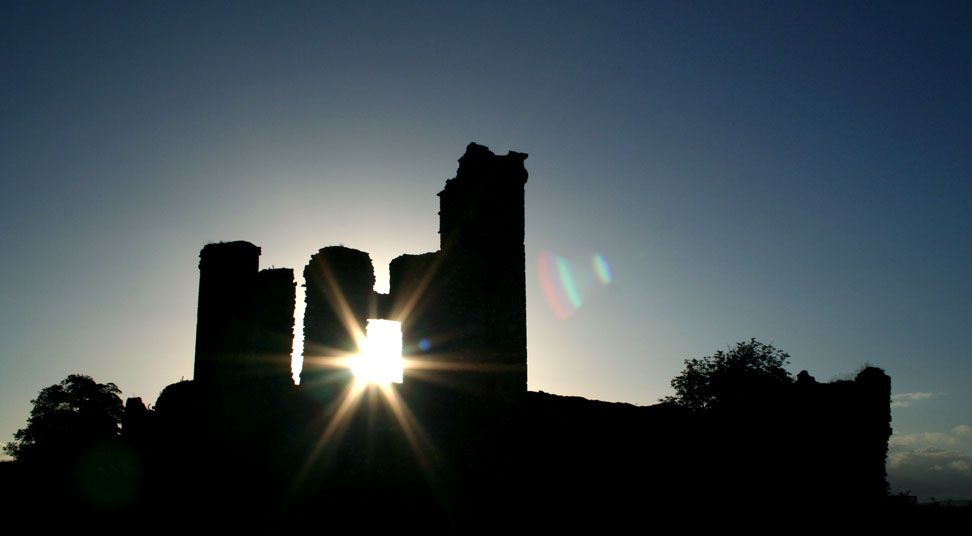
[[380, 361]]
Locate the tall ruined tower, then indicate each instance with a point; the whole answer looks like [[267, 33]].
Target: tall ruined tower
[[465, 305], [339, 294], [481, 232], [245, 319]]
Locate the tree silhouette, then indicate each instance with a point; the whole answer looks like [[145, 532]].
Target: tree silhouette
[[743, 372], [66, 417]]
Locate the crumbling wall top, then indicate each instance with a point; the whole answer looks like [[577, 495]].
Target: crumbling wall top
[[480, 167], [348, 262], [239, 253]]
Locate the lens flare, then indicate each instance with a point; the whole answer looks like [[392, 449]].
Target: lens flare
[[381, 360], [565, 286], [602, 269], [552, 289], [567, 282]]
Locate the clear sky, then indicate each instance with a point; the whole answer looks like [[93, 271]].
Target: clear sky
[[797, 174]]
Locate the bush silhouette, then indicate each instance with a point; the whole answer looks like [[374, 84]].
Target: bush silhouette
[[726, 378], [66, 418]]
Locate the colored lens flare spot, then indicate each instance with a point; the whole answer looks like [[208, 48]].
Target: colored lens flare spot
[[565, 284], [602, 269]]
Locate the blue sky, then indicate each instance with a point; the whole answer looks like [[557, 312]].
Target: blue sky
[[797, 174]]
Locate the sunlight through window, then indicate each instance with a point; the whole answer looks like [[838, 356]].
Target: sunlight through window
[[380, 360]]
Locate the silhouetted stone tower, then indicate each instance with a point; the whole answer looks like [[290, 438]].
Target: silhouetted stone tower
[[271, 343], [339, 294], [245, 319], [481, 233], [465, 305]]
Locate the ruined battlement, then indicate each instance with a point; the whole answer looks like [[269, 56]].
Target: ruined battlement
[[464, 304], [482, 208]]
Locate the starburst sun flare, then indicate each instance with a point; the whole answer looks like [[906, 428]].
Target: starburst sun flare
[[380, 360]]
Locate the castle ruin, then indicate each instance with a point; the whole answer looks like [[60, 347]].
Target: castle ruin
[[466, 303], [483, 443], [466, 448]]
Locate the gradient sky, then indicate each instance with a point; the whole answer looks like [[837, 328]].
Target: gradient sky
[[797, 174]]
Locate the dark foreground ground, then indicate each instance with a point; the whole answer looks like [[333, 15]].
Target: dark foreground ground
[[444, 462]]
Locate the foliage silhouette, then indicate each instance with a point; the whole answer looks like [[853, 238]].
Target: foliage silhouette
[[66, 417], [730, 377]]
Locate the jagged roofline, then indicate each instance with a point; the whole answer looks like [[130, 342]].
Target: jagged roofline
[[479, 162], [340, 277]]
